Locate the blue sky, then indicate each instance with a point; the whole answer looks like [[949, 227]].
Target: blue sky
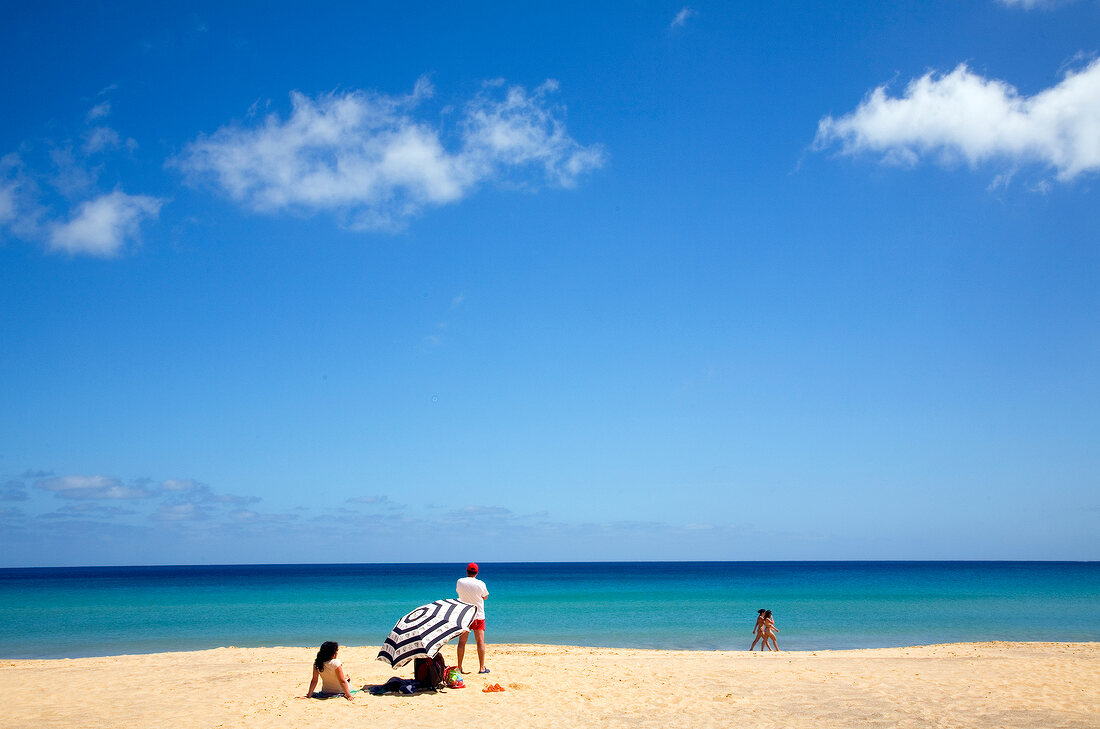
[[549, 281]]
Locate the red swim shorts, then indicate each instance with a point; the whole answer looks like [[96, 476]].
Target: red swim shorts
[[478, 625]]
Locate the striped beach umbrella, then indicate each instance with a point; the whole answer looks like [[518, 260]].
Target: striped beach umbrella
[[425, 630]]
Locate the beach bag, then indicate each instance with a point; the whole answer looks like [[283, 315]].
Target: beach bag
[[453, 679], [429, 672]]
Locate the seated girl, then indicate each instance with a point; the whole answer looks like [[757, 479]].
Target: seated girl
[[330, 670]]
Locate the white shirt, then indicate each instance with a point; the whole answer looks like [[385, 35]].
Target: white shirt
[[330, 682], [472, 591]]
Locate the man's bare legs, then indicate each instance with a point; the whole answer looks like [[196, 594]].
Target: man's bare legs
[[462, 650], [479, 637]]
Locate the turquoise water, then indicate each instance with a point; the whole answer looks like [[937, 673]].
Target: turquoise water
[[70, 612]]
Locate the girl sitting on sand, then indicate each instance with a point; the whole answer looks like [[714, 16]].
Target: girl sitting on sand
[[770, 630], [330, 670], [758, 629]]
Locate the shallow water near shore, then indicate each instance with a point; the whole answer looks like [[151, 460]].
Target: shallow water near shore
[[89, 611]]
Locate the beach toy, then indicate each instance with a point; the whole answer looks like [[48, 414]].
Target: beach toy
[[492, 688]]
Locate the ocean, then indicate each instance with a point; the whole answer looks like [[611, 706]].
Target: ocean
[[90, 611]]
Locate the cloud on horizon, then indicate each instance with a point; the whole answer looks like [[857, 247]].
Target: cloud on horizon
[[370, 160], [1032, 4], [87, 509], [13, 490], [94, 487], [187, 490], [371, 500], [962, 116], [177, 499], [185, 521], [182, 511]]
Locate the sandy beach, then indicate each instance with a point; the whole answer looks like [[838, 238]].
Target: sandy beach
[[956, 685]]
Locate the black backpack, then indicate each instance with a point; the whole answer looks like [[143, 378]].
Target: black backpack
[[429, 672]]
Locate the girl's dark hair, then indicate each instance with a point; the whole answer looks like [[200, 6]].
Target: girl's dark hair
[[761, 611], [324, 655], [767, 613]]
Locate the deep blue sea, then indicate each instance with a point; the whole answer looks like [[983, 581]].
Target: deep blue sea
[[87, 611]]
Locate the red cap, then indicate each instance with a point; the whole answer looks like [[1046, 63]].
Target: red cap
[[472, 567]]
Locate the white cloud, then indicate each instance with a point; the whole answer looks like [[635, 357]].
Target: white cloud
[[1032, 4], [249, 516], [964, 116], [187, 490], [101, 226], [367, 158], [682, 17], [182, 484], [73, 177], [13, 491], [480, 512], [18, 211], [99, 139], [7, 202], [93, 487], [53, 197], [99, 110], [87, 509], [369, 500], [176, 501], [523, 129], [180, 512]]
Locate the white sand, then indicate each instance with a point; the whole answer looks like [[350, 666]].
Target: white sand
[[1043, 685]]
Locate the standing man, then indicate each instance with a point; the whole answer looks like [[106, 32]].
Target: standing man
[[472, 591]]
